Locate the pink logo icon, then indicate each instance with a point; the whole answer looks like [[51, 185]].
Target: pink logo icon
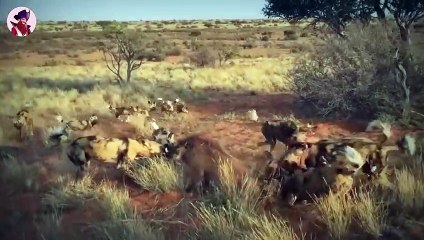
[[21, 21]]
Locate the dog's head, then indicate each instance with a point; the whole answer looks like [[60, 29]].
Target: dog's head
[[151, 105], [21, 119], [347, 159], [93, 119]]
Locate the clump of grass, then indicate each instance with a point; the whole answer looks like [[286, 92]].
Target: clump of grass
[[238, 216], [115, 201], [51, 63], [290, 117], [336, 212], [20, 176], [246, 195], [370, 214], [228, 116], [266, 228], [174, 117], [129, 229], [70, 195], [219, 223], [48, 225], [156, 175], [409, 187]]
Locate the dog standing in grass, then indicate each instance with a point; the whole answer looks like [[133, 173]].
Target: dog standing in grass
[[110, 150], [286, 132], [337, 177], [24, 123], [411, 144]]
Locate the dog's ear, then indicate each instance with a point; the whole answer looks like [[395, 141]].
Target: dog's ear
[[171, 137]]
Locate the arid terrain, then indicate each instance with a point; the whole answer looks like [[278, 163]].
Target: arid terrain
[[59, 69]]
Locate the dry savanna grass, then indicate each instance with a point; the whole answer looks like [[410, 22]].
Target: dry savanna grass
[[235, 213], [409, 188], [19, 176], [113, 201]]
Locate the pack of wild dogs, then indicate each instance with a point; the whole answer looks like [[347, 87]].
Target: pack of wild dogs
[[306, 168]]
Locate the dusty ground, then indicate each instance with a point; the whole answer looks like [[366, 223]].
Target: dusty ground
[[239, 136]]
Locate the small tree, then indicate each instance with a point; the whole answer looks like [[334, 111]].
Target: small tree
[[225, 53], [125, 50], [336, 14], [204, 57]]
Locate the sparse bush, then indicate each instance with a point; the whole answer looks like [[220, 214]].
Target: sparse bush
[[265, 38], [51, 63], [351, 76], [225, 52], [249, 44], [304, 34], [153, 56], [174, 51], [204, 57], [195, 33], [208, 24], [80, 62], [290, 35]]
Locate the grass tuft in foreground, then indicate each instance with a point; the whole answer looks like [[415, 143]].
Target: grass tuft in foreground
[[156, 174]]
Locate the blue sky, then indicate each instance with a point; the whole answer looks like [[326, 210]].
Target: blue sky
[[127, 10]]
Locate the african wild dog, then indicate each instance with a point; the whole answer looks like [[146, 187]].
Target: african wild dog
[[180, 107], [411, 144], [286, 132], [166, 106], [337, 177], [160, 134], [24, 123], [201, 158], [81, 125], [110, 150], [122, 112], [252, 115]]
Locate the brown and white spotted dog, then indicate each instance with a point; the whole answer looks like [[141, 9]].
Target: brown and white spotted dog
[[411, 144], [160, 134], [120, 151], [81, 125], [124, 113], [24, 123], [283, 131], [337, 177], [180, 107], [166, 106]]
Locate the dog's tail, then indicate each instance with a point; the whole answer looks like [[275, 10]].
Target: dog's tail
[[384, 127]]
